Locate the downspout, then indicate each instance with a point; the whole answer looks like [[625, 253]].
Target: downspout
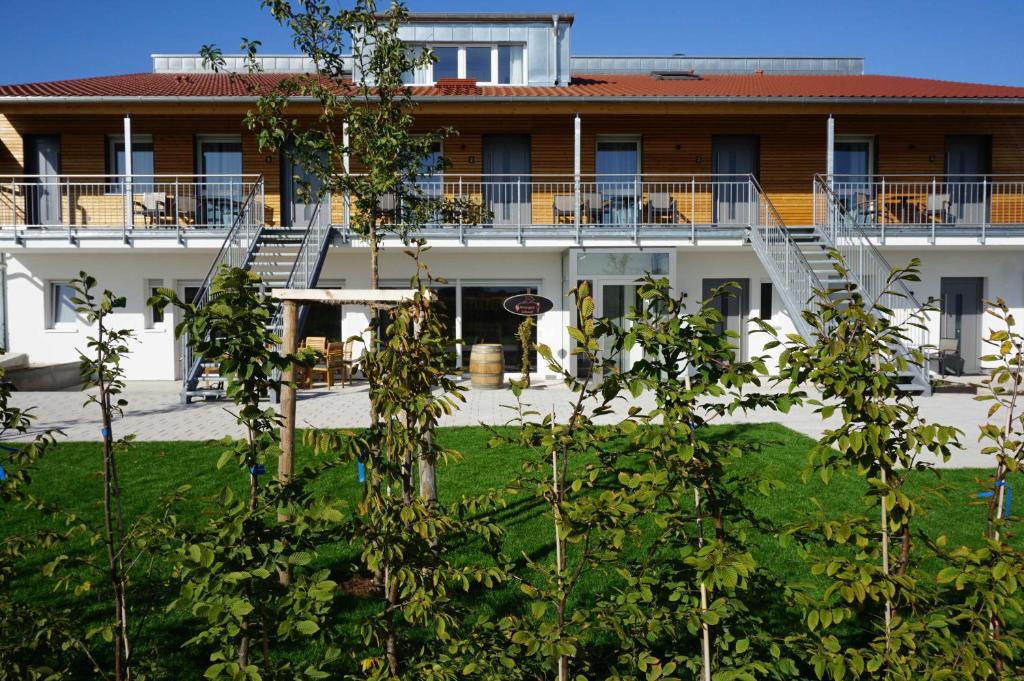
[[554, 48], [4, 340], [830, 152]]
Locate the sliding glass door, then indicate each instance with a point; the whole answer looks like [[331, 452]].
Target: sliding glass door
[[219, 160]]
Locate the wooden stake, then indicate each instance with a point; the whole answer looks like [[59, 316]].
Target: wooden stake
[[563, 660], [286, 461], [705, 644]]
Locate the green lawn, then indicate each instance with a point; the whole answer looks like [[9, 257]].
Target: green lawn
[[70, 475]]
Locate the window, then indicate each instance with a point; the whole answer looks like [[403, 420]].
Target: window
[[486, 64], [155, 317], [62, 306], [485, 320], [766, 300], [142, 162], [510, 65]]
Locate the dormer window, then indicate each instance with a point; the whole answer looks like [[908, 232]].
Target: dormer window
[[486, 64]]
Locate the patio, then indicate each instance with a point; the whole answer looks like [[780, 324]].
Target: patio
[[154, 413]]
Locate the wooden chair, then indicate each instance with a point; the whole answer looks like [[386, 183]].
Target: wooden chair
[[318, 343], [337, 360]]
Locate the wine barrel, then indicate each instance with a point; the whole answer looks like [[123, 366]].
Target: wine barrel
[[487, 367]]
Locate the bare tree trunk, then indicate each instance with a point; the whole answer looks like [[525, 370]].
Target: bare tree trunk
[[705, 639], [885, 557]]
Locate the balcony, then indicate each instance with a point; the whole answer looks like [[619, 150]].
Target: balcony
[[928, 206], [558, 206], [68, 206]]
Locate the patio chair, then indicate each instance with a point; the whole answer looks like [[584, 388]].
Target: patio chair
[[154, 207], [936, 208], [318, 343], [185, 208], [863, 209], [592, 206], [661, 205], [332, 362], [948, 354], [564, 207], [388, 206]]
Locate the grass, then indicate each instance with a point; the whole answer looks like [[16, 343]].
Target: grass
[[70, 476]]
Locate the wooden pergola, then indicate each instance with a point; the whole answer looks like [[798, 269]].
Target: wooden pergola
[[290, 299]]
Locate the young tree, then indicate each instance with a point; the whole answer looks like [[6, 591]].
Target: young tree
[[698, 575], [854, 360], [230, 568], [100, 367]]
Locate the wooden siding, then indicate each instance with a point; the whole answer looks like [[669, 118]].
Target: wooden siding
[[792, 147]]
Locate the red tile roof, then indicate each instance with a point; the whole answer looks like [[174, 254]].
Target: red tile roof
[[165, 85]]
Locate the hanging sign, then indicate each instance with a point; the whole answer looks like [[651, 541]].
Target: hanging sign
[[528, 304]]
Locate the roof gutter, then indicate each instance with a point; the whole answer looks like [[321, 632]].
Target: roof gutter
[[545, 99]]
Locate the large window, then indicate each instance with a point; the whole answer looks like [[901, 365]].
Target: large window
[[486, 64], [474, 313], [485, 320], [142, 162]]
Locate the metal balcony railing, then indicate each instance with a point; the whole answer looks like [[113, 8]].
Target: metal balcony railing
[[524, 205], [928, 205], [69, 204]]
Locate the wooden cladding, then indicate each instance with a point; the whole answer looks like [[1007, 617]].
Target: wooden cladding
[[792, 146]]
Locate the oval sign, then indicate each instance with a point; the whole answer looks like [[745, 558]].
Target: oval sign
[[528, 304]]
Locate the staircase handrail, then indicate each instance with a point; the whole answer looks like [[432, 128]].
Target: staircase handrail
[[235, 251], [306, 268], [839, 227], [769, 236]]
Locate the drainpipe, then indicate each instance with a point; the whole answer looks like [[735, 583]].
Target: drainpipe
[[4, 340], [554, 48], [129, 212], [830, 152], [577, 143]]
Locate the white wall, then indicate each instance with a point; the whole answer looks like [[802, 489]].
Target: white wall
[[154, 351], [125, 273]]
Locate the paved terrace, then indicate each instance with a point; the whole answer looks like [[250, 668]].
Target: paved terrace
[[154, 413]]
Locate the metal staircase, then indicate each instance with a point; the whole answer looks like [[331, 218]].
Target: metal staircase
[[797, 260], [284, 258]]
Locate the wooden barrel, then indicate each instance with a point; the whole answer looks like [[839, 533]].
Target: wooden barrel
[[487, 367]]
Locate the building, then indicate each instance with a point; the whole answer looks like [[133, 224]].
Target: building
[[702, 169]]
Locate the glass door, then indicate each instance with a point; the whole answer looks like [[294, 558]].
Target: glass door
[[616, 301], [220, 164], [42, 193], [852, 167], [968, 162], [734, 160], [618, 170]]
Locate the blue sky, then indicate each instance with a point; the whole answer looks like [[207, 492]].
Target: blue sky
[[970, 40]]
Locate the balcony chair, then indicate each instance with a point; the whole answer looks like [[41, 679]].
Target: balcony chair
[[937, 208], [661, 205], [388, 207], [563, 207], [592, 206], [863, 209], [154, 207], [185, 208]]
